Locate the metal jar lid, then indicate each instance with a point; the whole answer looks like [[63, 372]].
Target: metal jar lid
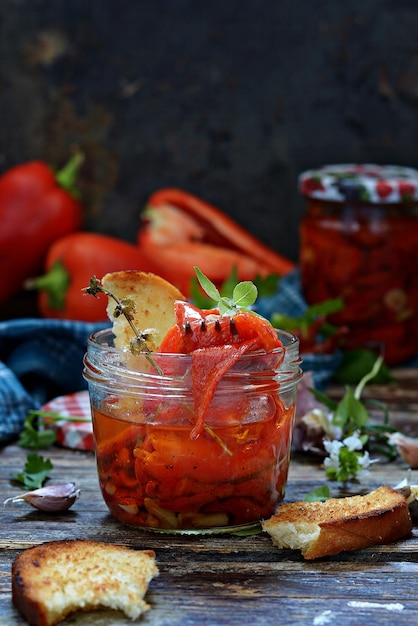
[[351, 182]]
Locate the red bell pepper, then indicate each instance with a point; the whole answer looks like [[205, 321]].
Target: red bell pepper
[[36, 207], [70, 263], [180, 231]]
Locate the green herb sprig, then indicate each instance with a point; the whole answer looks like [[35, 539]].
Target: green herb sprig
[[244, 294], [38, 436], [35, 472], [266, 286], [348, 456], [310, 315]]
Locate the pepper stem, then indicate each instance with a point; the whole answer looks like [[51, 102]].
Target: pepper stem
[[55, 283], [66, 177]]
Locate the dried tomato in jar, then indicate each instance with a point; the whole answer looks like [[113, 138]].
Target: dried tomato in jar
[[359, 241]]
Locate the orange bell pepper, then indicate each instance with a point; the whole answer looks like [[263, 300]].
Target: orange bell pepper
[[180, 231]]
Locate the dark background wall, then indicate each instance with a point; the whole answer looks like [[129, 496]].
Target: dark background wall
[[229, 99]]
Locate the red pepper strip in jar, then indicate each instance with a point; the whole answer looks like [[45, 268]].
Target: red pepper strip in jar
[[216, 343]]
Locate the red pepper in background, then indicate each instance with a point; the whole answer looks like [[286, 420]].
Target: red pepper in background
[[70, 263], [180, 231], [36, 207]]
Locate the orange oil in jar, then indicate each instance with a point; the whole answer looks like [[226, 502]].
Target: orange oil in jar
[[156, 476]]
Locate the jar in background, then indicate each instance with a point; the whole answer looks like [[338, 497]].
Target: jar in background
[[359, 241], [153, 475]]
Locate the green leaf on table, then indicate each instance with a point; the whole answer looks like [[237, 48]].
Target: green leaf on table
[[356, 364], [323, 398], [246, 532], [350, 414], [34, 437], [348, 466], [318, 494], [35, 472]]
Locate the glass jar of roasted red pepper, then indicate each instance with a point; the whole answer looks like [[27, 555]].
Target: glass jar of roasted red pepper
[[154, 474], [359, 241]]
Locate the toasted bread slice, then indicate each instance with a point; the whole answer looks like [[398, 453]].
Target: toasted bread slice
[[54, 579], [154, 300], [325, 528]]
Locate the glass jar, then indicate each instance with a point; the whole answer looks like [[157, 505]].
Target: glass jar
[[359, 241], [153, 475]]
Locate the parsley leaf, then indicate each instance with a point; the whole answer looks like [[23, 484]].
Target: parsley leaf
[[34, 437], [35, 472]]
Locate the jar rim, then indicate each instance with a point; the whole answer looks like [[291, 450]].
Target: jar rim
[[289, 340], [109, 365]]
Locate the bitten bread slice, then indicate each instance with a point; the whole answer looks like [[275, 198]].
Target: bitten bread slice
[[338, 524], [154, 300], [54, 579]]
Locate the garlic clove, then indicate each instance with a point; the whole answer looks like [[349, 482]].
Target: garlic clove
[[407, 448], [52, 498]]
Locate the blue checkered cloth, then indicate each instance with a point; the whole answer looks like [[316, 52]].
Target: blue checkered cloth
[[39, 359]]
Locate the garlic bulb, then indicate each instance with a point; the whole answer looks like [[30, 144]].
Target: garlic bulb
[[52, 498]]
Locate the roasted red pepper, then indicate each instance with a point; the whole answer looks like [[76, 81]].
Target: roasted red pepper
[[216, 343], [36, 207], [180, 231], [70, 263]]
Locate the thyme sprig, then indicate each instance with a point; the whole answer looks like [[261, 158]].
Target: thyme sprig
[[127, 308]]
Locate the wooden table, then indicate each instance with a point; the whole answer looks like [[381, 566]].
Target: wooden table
[[209, 581]]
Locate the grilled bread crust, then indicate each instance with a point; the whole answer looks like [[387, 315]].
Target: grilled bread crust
[[325, 528], [54, 579]]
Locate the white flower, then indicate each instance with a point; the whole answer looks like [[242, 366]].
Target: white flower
[[333, 448], [353, 442], [364, 462]]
